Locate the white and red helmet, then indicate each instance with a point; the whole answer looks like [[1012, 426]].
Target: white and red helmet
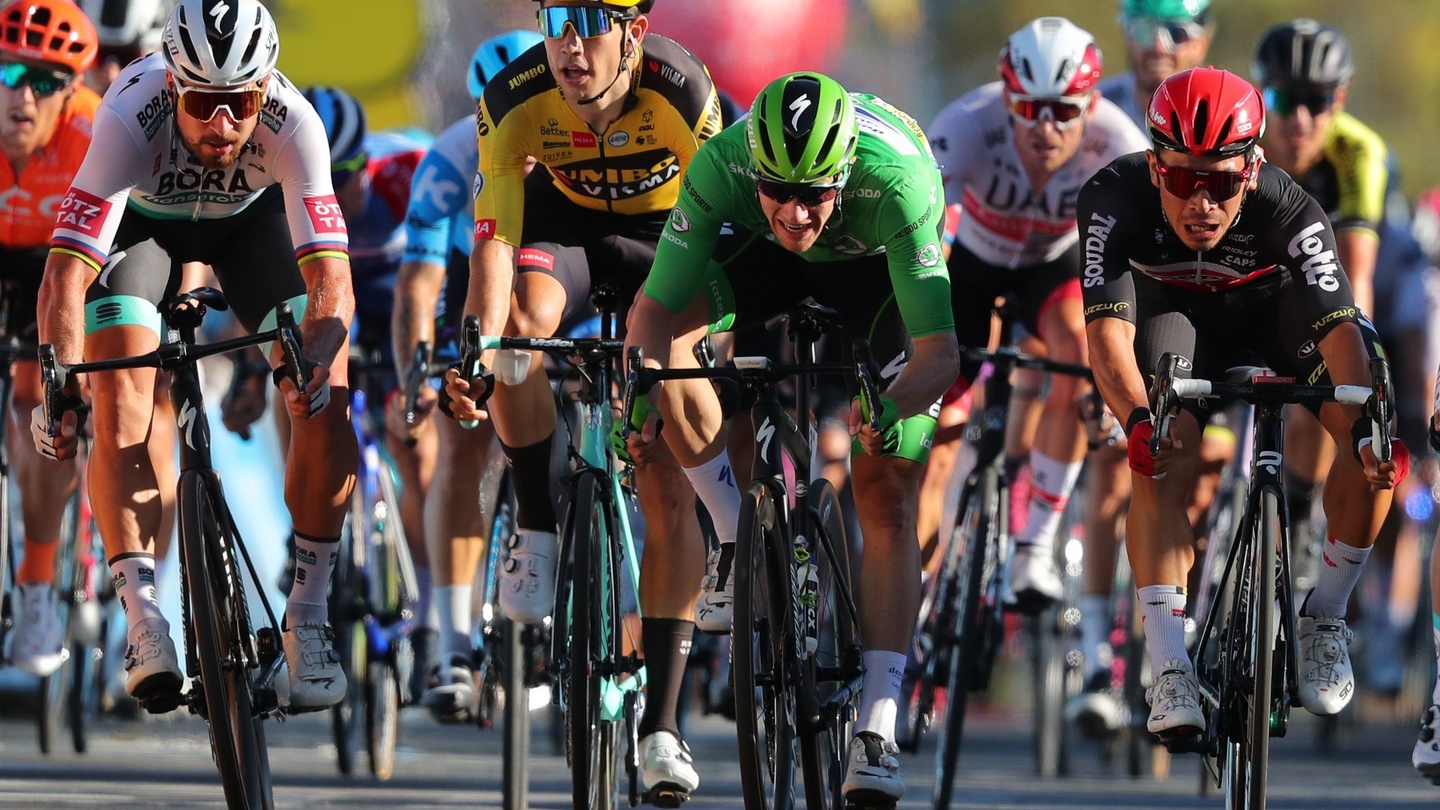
[[1050, 57]]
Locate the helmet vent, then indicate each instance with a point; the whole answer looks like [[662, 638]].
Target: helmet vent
[[1065, 68], [256, 34], [1202, 121]]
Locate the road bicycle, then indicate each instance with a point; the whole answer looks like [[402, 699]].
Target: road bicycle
[[796, 656], [372, 592], [1246, 658], [962, 619], [596, 670], [232, 665]]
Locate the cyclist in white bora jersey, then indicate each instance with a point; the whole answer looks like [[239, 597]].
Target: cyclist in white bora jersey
[[205, 152], [1014, 154]]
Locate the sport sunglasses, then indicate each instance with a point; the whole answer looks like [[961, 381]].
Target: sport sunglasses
[[588, 21], [808, 194], [43, 81], [1183, 182], [1062, 112], [1284, 100], [203, 103], [1172, 33]]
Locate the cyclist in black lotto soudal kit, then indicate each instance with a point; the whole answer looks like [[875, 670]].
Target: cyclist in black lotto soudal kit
[[204, 152], [1198, 248]]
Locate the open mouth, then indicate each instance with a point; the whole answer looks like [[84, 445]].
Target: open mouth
[[1201, 231], [21, 118], [795, 230], [574, 74]]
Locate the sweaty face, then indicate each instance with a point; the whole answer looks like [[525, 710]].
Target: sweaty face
[[586, 66], [1159, 58], [29, 121], [1200, 220], [796, 226]]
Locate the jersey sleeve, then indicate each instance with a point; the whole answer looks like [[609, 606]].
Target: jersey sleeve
[[955, 139], [1105, 219], [500, 180], [1303, 240], [89, 215], [1359, 158], [912, 217], [682, 257], [317, 228], [438, 190]]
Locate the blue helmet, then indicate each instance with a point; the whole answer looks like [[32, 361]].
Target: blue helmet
[[344, 121], [495, 53]]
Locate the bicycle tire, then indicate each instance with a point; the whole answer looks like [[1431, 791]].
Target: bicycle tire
[[515, 779], [382, 716], [823, 749], [763, 654], [54, 689], [1254, 748], [236, 737], [1048, 670], [591, 644], [980, 524], [347, 717]]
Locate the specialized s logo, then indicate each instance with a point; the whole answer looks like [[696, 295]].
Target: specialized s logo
[[798, 106], [83, 213], [1319, 264], [185, 420], [325, 216]]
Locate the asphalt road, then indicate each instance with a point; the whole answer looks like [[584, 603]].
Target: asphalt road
[[165, 762]]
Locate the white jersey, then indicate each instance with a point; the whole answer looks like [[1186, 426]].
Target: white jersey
[[138, 160], [1003, 220], [1123, 93]]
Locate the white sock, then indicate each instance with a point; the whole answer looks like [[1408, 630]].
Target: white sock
[[452, 608], [1340, 567], [714, 482], [1050, 485], [425, 599], [1095, 623], [314, 561], [880, 692], [1162, 609], [134, 576], [1435, 634]]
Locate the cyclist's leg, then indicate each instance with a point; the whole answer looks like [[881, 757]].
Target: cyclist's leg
[[1107, 491], [121, 321], [254, 261], [45, 487]]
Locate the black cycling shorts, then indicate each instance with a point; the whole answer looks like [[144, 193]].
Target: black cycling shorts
[[582, 248], [1275, 326], [975, 284], [20, 274], [250, 252]]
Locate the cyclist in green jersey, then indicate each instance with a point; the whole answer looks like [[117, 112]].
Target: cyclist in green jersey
[[837, 197]]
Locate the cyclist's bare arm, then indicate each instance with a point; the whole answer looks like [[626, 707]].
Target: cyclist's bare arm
[[417, 288], [933, 366], [1344, 355], [330, 310], [1117, 372], [1359, 249], [492, 278], [61, 315]]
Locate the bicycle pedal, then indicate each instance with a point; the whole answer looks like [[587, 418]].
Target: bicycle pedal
[[669, 796], [160, 693], [1186, 740], [870, 804]]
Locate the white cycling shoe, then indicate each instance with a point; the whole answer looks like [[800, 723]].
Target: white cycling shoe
[[715, 609], [316, 680], [527, 582], [667, 771], [38, 646], [872, 778], [1426, 756], [1327, 679], [1175, 701], [152, 668]]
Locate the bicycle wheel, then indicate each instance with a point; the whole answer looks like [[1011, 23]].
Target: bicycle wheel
[[593, 647], [1250, 739], [1048, 677], [830, 677], [382, 716], [515, 780], [978, 529], [237, 739], [347, 609], [763, 655], [53, 706]]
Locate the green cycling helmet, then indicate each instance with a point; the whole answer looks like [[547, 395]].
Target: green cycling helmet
[[1164, 9], [802, 129]]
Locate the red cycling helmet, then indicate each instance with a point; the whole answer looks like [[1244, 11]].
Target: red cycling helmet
[[1206, 111]]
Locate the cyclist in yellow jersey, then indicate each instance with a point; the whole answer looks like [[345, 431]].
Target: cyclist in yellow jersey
[[613, 117], [1303, 68]]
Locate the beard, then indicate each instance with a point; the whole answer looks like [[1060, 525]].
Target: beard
[[210, 159]]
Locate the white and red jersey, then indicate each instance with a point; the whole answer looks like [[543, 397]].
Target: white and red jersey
[[1003, 220], [138, 160]]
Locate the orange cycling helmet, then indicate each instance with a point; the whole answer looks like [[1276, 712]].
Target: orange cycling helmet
[[54, 32]]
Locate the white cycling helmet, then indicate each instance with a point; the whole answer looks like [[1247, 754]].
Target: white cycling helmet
[[1050, 58], [220, 43], [135, 24]]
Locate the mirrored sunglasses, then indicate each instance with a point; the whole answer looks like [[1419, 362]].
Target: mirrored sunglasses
[[1221, 185], [203, 104], [588, 21], [43, 81], [808, 194]]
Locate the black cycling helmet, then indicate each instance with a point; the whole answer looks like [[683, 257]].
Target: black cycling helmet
[[1303, 52]]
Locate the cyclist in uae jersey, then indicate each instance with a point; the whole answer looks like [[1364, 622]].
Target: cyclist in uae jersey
[[1162, 38], [613, 116], [205, 153], [429, 296], [1171, 266], [833, 196], [1014, 154], [44, 134]]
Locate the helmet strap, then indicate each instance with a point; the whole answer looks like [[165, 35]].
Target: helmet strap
[[625, 52]]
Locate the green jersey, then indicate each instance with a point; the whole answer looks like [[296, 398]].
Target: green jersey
[[893, 203]]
